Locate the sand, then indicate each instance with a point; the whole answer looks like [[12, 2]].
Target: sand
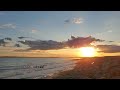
[[93, 68]]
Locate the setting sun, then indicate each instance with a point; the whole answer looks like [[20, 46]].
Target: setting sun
[[87, 51]]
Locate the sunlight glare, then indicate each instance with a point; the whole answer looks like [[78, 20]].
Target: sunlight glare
[[87, 51]]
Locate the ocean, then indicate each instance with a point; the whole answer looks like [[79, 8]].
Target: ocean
[[33, 68]]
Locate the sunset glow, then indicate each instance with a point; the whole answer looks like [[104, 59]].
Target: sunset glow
[[87, 51], [59, 34]]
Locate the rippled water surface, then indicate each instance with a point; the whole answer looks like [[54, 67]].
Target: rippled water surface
[[33, 68]]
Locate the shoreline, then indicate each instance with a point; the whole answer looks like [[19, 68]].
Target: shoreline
[[92, 68], [58, 72]]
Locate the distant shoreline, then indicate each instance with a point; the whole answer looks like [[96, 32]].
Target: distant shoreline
[[54, 57]]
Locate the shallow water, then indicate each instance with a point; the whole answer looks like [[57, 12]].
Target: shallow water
[[33, 68]]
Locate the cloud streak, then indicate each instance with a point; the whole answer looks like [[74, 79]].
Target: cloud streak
[[22, 37], [7, 26], [109, 48]]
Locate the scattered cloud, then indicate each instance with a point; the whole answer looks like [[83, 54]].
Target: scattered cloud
[[77, 20], [109, 48], [108, 28], [7, 26], [5, 41], [67, 21], [34, 31], [74, 20], [7, 38], [2, 42], [75, 42], [111, 41], [103, 33], [22, 37], [17, 45]]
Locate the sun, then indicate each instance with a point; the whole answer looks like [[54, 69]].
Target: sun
[[87, 51]]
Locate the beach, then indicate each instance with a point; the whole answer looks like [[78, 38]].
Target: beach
[[93, 68]]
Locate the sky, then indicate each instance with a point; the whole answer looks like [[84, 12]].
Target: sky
[[57, 26]]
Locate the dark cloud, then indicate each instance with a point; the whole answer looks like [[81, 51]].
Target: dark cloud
[[17, 45], [67, 21], [109, 48], [111, 41], [76, 42], [43, 45], [50, 44], [22, 37], [23, 42], [73, 42], [7, 38], [2, 42]]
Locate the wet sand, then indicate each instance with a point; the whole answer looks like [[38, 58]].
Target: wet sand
[[93, 68]]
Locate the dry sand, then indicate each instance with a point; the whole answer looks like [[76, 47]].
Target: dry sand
[[93, 68]]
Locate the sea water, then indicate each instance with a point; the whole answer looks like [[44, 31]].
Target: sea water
[[33, 68]]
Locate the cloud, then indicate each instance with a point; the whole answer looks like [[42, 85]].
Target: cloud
[[77, 42], [2, 42], [22, 37], [74, 20], [73, 42], [107, 29], [77, 20], [17, 45], [5, 41], [109, 48], [43, 45], [67, 21], [111, 41], [7, 38], [34, 31], [7, 26]]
